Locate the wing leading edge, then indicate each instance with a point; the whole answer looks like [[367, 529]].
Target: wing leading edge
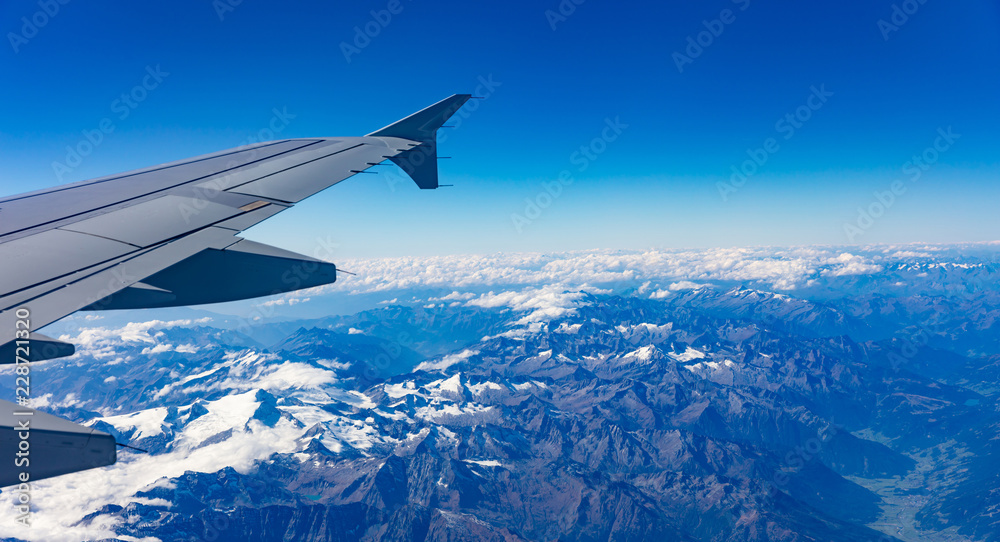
[[167, 235]]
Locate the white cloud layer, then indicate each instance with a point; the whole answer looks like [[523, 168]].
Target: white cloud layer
[[782, 269], [655, 273]]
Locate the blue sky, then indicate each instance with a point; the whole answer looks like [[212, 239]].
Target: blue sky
[[884, 93]]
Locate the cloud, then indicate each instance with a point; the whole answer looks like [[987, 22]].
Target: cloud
[[850, 264], [541, 304], [446, 361], [676, 287], [158, 349], [97, 341], [776, 268], [60, 502], [290, 300]]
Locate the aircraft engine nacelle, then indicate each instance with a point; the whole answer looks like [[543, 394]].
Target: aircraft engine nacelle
[[241, 271]]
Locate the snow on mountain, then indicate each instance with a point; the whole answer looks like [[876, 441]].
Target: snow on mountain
[[767, 394]]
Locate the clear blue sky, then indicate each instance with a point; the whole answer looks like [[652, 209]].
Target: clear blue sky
[[656, 185]]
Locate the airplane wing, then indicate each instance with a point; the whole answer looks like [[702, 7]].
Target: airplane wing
[[167, 235]]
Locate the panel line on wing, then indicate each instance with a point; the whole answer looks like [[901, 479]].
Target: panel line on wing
[[99, 236], [293, 167]]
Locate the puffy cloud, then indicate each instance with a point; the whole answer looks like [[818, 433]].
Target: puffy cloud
[[158, 349], [446, 361], [186, 349], [98, 341], [676, 287], [541, 304], [850, 264]]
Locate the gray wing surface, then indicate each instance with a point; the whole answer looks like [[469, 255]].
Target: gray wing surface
[[167, 235]]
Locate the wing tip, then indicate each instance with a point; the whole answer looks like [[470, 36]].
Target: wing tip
[[423, 125], [420, 162]]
